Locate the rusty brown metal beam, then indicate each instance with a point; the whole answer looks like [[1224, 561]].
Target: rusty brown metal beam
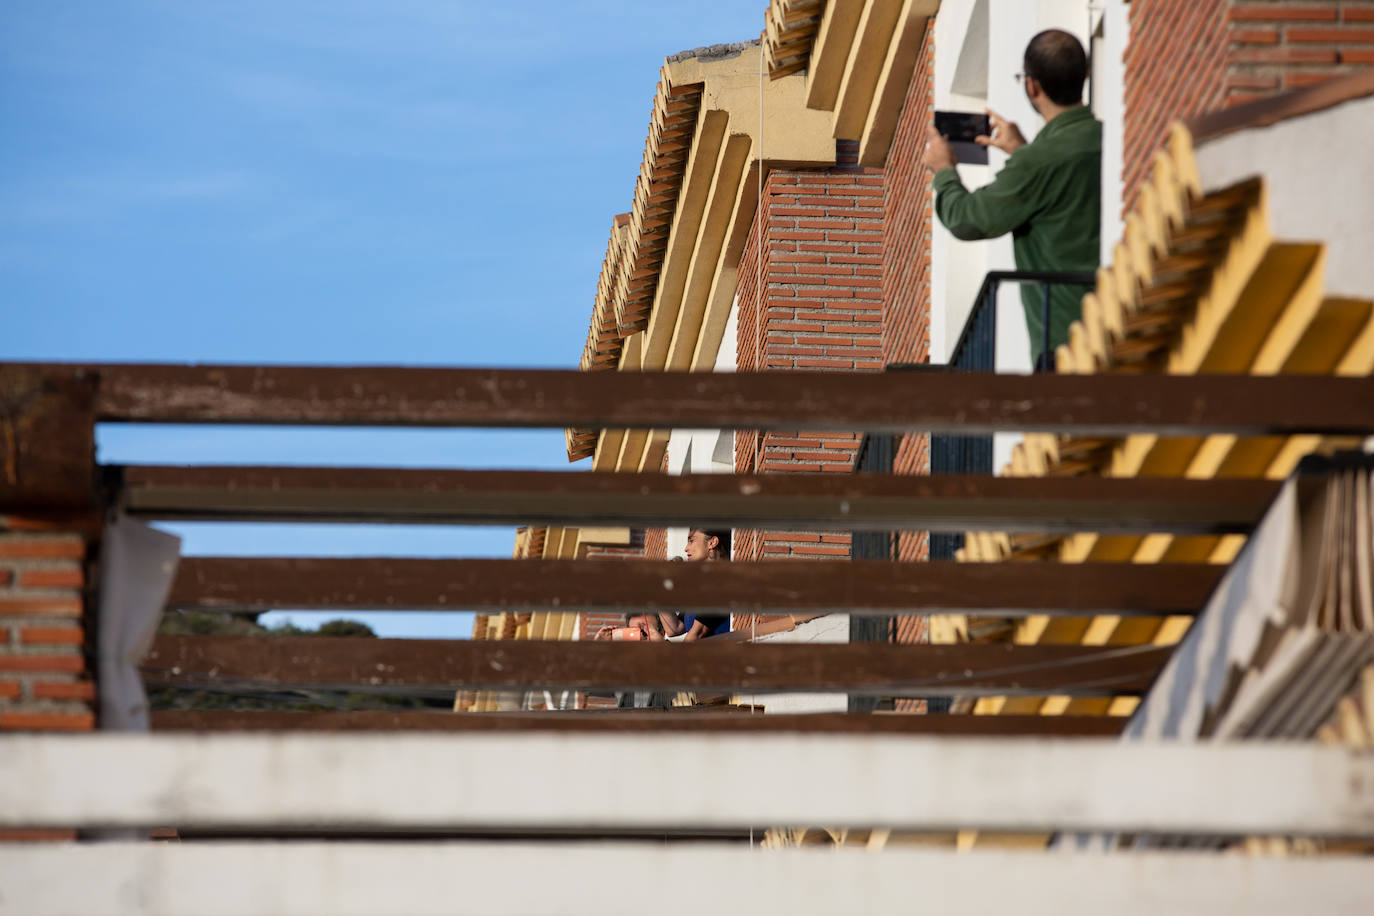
[[694, 719], [937, 401], [874, 668], [810, 501], [862, 586]]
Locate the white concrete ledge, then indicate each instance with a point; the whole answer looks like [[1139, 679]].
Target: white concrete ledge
[[519, 781], [503, 879]]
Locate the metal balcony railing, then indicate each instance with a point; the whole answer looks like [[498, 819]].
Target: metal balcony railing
[[976, 351]]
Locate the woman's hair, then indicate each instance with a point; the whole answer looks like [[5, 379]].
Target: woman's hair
[[722, 550]]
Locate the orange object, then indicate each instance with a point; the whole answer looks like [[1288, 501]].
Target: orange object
[[627, 633]]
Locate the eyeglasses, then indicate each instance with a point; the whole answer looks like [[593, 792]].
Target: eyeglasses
[[1019, 76]]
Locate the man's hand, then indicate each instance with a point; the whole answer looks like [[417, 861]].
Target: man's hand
[[939, 154], [1006, 136]]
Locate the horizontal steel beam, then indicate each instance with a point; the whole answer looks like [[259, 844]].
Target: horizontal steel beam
[[810, 501], [679, 719], [451, 781], [861, 586], [407, 878], [607, 666], [939, 401]]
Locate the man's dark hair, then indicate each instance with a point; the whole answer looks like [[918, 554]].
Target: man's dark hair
[[1056, 61]]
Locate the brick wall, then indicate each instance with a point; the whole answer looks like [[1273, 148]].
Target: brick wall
[[820, 308], [589, 623], [906, 291], [906, 271], [1187, 57], [810, 298], [45, 681], [1288, 45]]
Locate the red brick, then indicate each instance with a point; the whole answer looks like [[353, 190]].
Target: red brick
[[40, 607], [815, 363], [1286, 56], [1297, 79], [828, 223], [9, 690], [63, 690], [42, 548], [1338, 35], [51, 578], [47, 721], [6, 577], [61, 636], [823, 551], [1357, 55], [1255, 36], [67, 664], [1288, 12], [1252, 81], [1358, 14], [37, 835]]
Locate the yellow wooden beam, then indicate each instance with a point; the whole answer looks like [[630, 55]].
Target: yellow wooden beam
[[894, 80], [830, 53], [873, 36]]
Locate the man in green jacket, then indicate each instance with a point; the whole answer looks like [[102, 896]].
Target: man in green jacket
[[1048, 194]]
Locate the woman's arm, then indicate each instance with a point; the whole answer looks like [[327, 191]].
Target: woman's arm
[[697, 631]]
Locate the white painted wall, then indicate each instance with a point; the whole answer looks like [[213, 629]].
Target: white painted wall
[[957, 268], [705, 451], [1109, 104], [833, 628], [1321, 186]]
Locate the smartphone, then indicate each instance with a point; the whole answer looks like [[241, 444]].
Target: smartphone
[[960, 127]]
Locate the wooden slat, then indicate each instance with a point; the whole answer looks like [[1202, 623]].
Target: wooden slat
[[504, 878], [956, 402], [685, 719], [47, 439], [521, 781], [918, 670], [861, 586], [812, 501]]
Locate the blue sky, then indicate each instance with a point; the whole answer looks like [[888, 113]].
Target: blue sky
[[343, 182]]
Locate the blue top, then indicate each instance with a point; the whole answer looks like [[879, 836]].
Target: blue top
[[714, 625]]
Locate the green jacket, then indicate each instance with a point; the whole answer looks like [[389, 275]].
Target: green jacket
[[1047, 196]]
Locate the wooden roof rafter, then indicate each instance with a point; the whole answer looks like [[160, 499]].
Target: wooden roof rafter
[[789, 31], [638, 239]]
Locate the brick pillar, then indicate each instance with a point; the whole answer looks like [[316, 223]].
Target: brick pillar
[[820, 260], [906, 293], [45, 681], [906, 274]]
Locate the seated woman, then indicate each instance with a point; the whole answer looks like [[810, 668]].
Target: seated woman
[[705, 546]]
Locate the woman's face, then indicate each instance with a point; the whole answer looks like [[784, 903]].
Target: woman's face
[[699, 545]]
